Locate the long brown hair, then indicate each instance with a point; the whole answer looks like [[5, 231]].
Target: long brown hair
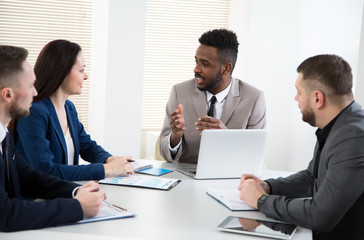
[[53, 64]]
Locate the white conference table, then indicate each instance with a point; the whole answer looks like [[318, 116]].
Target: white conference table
[[184, 212]]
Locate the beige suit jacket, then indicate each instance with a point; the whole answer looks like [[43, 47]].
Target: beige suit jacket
[[244, 108]]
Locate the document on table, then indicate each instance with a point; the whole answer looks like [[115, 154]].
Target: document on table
[[107, 212], [141, 181], [230, 198]]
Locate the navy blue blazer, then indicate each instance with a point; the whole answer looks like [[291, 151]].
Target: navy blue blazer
[[17, 213], [41, 142]]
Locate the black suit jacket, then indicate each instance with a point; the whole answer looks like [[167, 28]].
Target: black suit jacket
[[17, 212], [337, 207]]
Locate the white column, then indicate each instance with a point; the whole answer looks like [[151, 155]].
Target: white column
[[117, 87]]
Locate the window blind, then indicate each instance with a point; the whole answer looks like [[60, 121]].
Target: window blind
[[173, 28], [33, 23]]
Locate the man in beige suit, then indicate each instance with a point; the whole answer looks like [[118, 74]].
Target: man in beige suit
[[211, 100]]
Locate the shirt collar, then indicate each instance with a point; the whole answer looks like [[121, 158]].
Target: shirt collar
[[3, 131], [322, 134], [220, 96]]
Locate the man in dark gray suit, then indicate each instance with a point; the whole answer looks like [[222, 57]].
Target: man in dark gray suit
[[327, 197], [191, 108]]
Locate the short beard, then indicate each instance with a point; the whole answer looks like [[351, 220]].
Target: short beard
[[309, 117], [212, 85], [16, 112]]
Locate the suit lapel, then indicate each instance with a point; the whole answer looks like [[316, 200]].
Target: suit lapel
[[199, 101], [3, 174], [58, 128], [5, 177], [73, 129], [231, 102], [12, 184]]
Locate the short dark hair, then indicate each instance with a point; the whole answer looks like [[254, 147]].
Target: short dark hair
[[53, 64], [11, 64], [331, 72], [226, 43]]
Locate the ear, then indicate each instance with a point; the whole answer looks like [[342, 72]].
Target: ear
[[7, 94], [319, 99], [227, 68]]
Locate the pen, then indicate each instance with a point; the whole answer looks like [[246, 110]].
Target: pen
[[115, 206], [131, 160]]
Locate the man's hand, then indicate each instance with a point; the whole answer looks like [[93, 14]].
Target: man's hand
[[251, 188], [263, 184], [177, 125], [90, 197], [209, 123], [118, 165]]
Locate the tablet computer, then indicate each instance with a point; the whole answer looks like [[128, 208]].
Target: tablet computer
[[262, 228], [154, 171]]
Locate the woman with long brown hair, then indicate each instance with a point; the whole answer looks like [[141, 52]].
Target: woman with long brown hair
[[51, 138]]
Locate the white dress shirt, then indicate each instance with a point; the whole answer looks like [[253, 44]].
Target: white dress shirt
[[3, 131], [70, 147]]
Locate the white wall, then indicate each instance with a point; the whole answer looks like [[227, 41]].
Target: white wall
[[275, 37], [281, 35], [240, 15], [359, 90], [99, 71], [116, 97]]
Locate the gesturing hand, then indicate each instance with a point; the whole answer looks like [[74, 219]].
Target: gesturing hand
[[177, 125], [209, 123]]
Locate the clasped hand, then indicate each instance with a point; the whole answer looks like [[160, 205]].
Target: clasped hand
[[251, 188], [90, 196], [117, 165]]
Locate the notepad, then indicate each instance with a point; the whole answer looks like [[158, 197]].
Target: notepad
[[230, 198], [144, 182], [107, 212]]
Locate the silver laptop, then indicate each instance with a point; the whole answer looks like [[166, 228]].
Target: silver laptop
[[228, 153]]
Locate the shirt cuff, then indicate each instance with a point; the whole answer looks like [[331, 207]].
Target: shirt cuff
[[74, 192], [175, 149]]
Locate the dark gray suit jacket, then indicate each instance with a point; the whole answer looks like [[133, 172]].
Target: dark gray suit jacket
[[336, 210], [18, 212], [244, 108]]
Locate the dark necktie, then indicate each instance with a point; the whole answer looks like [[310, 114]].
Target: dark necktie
[[210, 113], [5, 149]]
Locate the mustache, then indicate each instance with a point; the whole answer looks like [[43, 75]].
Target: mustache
[[197, 75]]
